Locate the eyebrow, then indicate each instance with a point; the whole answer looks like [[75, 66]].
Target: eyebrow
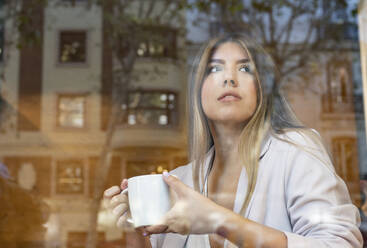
[[221, 61]]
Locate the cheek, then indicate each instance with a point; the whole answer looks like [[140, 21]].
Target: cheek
[[206, 95], [252, 96], [249, 90]]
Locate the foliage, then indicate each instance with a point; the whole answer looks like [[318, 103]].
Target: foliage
[[292, 31]]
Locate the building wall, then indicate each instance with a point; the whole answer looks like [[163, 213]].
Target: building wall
[[38, 153]]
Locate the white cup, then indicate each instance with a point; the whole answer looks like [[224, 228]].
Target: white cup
[[149, 199]]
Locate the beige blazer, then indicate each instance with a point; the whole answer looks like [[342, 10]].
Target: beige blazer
[[295, 193]]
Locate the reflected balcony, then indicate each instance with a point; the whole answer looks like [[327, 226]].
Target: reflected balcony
[[337, 107]]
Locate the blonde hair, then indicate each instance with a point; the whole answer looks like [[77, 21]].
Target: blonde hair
[[272, 114]]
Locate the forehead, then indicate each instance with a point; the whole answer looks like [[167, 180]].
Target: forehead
[[230, 51]]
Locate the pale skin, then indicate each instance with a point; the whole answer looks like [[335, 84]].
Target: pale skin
[[229, 71]]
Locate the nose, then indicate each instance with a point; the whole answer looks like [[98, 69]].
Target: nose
[[230, 79]]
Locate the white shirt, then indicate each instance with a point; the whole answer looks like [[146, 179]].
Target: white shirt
[[295, 193]]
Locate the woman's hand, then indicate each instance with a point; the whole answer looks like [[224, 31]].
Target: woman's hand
[[191, 212], [117, 202]]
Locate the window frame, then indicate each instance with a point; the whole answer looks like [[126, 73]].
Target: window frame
[[175, 110], [85, 112]]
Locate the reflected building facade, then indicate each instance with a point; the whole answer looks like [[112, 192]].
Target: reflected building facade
[[57, 96], [56, 103]]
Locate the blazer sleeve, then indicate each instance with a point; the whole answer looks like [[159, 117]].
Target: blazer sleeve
[[318, 203]]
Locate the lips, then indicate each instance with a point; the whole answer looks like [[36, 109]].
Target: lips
[[229, 95]]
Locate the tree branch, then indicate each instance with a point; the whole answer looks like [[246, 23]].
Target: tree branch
[[150, 8], [262, 30], [141, 8], [165, 8], [271, 25]]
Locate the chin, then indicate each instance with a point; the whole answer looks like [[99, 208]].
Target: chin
[[231, 121]]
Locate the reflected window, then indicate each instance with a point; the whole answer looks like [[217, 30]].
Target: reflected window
[[136, 168], [1, 39], [160, 44], [151, 108], [346, 161], [339, 82], [345, 155], [71, 111], [72, 47], [70, 176], [339, 95]]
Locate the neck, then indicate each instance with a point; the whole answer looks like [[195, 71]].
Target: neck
[[226, 139]]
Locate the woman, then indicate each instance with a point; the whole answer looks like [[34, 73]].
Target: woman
[[258, 178]]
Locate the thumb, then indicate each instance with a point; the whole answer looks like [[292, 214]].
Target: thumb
[[175, 184]]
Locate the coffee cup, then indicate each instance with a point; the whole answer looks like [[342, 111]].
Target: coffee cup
[[149, 199]]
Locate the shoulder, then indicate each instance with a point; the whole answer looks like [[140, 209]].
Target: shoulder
[[303, 137], [301, 151], [306, 158], [305, 142]]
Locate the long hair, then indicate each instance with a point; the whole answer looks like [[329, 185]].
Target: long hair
[[272, 114]]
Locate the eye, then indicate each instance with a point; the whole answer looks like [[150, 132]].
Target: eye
[[214, 68], [245, 68]]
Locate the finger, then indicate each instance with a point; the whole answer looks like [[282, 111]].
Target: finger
[[175, 184], [123, 184], [120, 210], [141, 230], [118, 199], [121, 221], [156, 229], [110, 192]]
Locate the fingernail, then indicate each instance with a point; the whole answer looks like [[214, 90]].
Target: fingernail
[[145, 234], [165, 174]]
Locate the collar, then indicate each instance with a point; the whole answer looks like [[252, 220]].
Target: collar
[[265, 146]]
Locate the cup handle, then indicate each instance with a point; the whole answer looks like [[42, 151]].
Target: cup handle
[[130, 220]]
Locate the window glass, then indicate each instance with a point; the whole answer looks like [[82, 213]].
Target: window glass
[[70, 177], [72, 47], [161, 43], [71, 112], [151, 108]]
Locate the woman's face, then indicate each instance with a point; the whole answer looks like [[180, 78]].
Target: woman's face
[[228, 92]]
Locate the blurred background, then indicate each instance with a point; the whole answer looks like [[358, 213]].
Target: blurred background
[[93, 91]]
